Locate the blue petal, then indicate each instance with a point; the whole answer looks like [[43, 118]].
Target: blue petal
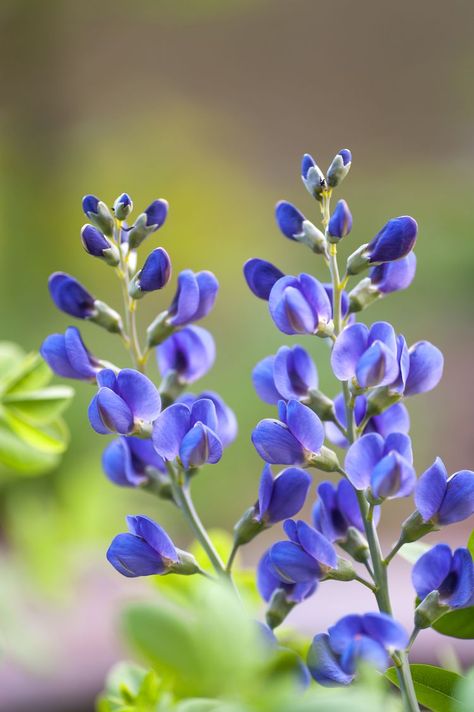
[[324, 665], [431, 569], [305, 425], [208, 288], [317, 297], [156, 213], [186, 300], [260, 276], [349, 506], [395, 240], [394, 276], [227, 426], [169, 430], [94, 241], [350, 345], [287, 495], [190, 352], [85, 365], [132, 557], [426, 368], [326, 518], [95, 418], [316, 545], [340, 223], [154, 535], [116, 463], [53, 350], [200, 445], [292, 564], [361, 459], [344, 631], [203, 410], [430, 489], [294, 372], [393, 476], [377, 367], [140, 394], [288, 307], [70, 296], [395, 419], [385, 630], [276, 445], [267, 580], [106, 379], [90, 204], [289, 219], [400, 443], [265, 490], [114, 412], [264, 384], [364, 649], [156, 271], [463, 571], [458, 502]]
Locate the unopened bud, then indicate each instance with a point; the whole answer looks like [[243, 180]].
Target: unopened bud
[[248, 527], [339, 168], [326, 460], [278, 608]]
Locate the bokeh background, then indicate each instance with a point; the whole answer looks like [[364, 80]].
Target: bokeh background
[[210, 103]]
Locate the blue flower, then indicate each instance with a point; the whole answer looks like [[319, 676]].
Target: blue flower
[[306, 557], [190, 353], [340, 223], [131, 462], [268, 582], [188, 433], [155, 274], [148, 222], [442, 499], [96, 244], [394, 241], [67, 356], [70, 296], [425, 368], [339, 167], [336, 510], [300, 305], [123, 206], [194, 298], [295, 226], [394, 276], [260, 276], [334, 656], [227, 426], [282, 497], [451, 574], [385, 467], [145, 551], [291, 440], [125, 403], [290, 374], [98, 213], [312, 177]]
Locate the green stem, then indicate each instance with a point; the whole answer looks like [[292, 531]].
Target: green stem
[[232, 556], [394, 551], [131, 337]]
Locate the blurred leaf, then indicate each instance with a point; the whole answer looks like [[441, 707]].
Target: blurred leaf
[[32, 373], [470, 543], [39, 407], [465, 692], [52, 438], [435, 688], [18, 455], [457, 624], [412, 552], [10, 356]]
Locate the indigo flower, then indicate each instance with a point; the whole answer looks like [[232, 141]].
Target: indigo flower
[[290, 374], [300, 305], [125, 403], [312, 177], [268, 582], [306, 557], [425, 368], [394, 276], [337, 509], [188, 433], [282, 497], [394, 241], [339, 167], [147, 222], [67, 356], [291, 440], [334, 656], [442, 499], [123, 206], [384, 466], [130, 462], [226, 421], [96, 244], [98, 213], [155, 274], [340, 223], [190, 353], [147, 550], [394, 419], [368, 355], [260, 276], [70, 296], [451, 574], [194, 298], [295, 226]]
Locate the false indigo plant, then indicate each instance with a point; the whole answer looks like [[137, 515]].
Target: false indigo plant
[[165, 434]]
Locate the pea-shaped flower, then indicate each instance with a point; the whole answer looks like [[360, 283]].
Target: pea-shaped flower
[[291, 440], [306, 557], [340, 222], [123, 206], [190, 353], [147, 550], [336, 509], [394, 241], [188, 433], [425, 368], [148, 222], [295, 226], [451, 574], [300, 305], [312, 177], [68, 357], [227, 426], [125, 403], [131, 462], [339, 168], [154, 274], [442, 499], [98, 213], [96, 244], [383, 467], [72, 298], [394, 276], [194, 298], [260, 276], [268, 582], [290, 374], [334, 656]]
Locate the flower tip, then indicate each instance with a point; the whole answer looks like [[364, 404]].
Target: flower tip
[[90, 204], [346, 156]]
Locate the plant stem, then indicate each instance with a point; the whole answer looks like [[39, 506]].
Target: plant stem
[[131, 340], [394, 551], [232, 556]]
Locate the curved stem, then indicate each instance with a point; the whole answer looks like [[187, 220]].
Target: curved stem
[[394, 551], [232, 556], [131, 337]]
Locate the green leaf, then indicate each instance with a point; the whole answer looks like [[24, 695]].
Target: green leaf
[[457, 624], [31, 373], [39, 407], [470, 543], [465, 691], [18, 455], [412, 552], [51, 438], [10, 356], [435, 688]]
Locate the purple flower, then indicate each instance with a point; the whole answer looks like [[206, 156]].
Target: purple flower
[[312, 177], [67, 356], [98, 213], [260, 276], [226, 421], [188, 433], [451, 574], [394, 276], [425, 368], [384, 466], [291, 440], [333, 657], [282, 497], [394, 241], [306, 557], [148, 222], [337, 509], [123, 206], [442, 499], [96, 244], [190, 353], [131, 462], [70, 296], [194, 298], [290, 374], [289, 219], [368, 355], [124, 403], [268, 582], [340, 223], [300, 305], [145, 551], [155, 274], [339, 167]]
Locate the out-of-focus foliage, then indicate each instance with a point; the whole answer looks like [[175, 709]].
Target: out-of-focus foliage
[[436, 689]]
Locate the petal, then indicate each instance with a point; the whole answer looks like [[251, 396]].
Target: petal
[[431, 569], [79, 357], [344, 631], [95, 418], [208, 288], [53, 350], [227, 426], [349, 506], [156, 213], [154, 535], [292, 564], [395, 240], [260, 276], [458, 502], [132, 557], [290, 529], [384, 629], [186, 300], [116, 463], [361, 459], [70, 296], [190, 352], [316, 545], [289, 219], [294, 314], [350, 345], [430, 489], [276, 445], [462, 567], [140, 394], [114, 412], [400, 443], [294, 372], [367, 650], [377, 367], [106, 378], [323, 664], [395, 419], [265, 490], [156, 271], [426, 368], [169, 430], [325, 518], [393, 476], [200, 445], [394, 276], [262, 379], [384, 332], [203, 411], [305, 425], [267, 581], [317, 297], [288, 494]]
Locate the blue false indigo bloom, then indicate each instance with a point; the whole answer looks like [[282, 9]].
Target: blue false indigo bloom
[[188, 433], [306, 557], [334, 656], [260, 276], [72, 298], [227, 426], [123, 206], [147, 222], [96, 244], [98, 213], [280, 595], [339, 167], [68, 357], [451, 574], [312, 177], [294, 439], [126, 403], [194, 298], [394, 276], [425, 368], [290, 374], [189, 353], [443, 500], [300, 305], [295, 226], [382, 467], [340, 223], [394, 419], [147, 550], [131, 462], [394, 241], [154, 275], [370, 356], [336, 509]]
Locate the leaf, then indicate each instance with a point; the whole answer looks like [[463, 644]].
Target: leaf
[[470, 543], [10, 356], [18, 455], [32, 373], [51, 438], [435, 688], [465, 691], [39, 407], [457, 624], [412, 552]]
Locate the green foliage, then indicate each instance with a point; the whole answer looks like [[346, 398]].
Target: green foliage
[[436, 689], [470, 543], [465, 692], [457, 624], [32, 433]]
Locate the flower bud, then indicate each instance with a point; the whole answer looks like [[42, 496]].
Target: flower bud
[[260, 276], [343, 572], [248, 527], [99, 214], [278, 609], [415, 528], [312, 177], [340, 223], [339, 167], [186, 564], [96, 244], [394, 276], [325, 460], [123, 206], [363, 295], [154, 275], [429, 610], [394, 241], [294, 226], [147, 222]]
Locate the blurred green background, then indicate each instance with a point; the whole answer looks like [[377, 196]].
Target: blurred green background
[[210, 104]]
